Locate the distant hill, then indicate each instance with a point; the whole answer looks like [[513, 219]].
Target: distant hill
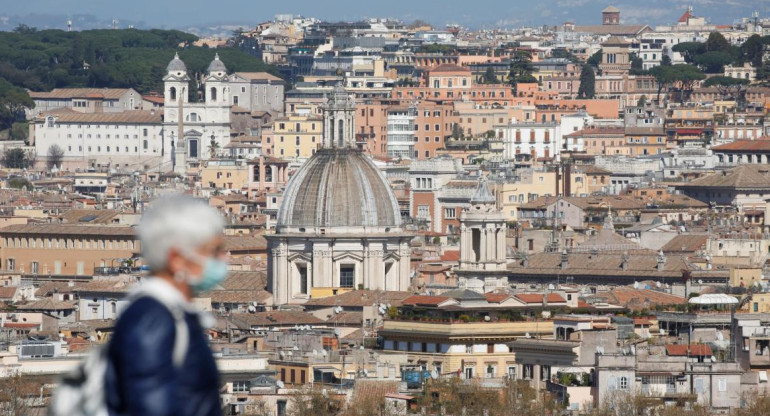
[[42, 60]]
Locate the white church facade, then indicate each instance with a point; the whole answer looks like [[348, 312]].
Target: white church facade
[[339, 226]]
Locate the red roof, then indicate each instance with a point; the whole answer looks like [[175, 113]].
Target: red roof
[[759, 145], [496, 297], [689, 131], [451, 255], [449, 68], [7, 292], [685, 16], [688, 350], [425, 300], [538, 298], [20, 325]]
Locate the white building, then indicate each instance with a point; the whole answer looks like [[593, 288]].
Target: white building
[[741, 72], [537, 140], [129, 139], [572, 123], [196, 130], [401, 132]]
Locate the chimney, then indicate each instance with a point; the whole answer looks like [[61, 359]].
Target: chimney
[[624, 261], [661, 260], [564, 258]]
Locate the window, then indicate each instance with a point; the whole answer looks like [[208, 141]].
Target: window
[[302, 279], [172, 92], [347, 276], [34, 267], [623, 383], [10, 264], [450, 213]]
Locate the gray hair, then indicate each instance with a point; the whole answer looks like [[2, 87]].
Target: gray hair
[[180, 222]]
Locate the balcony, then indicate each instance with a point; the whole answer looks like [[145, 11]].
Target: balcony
[[459, 329]]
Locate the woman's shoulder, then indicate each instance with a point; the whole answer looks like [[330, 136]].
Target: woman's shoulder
[[144, 311]]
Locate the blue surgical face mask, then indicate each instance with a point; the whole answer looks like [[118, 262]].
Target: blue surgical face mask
[[214, 272]]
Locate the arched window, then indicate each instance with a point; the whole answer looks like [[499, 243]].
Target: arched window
[[213, 94], [172, 93]]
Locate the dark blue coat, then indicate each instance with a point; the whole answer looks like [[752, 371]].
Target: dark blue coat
[[142, 378]]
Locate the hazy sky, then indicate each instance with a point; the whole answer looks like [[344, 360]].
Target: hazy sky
[[473, 13]]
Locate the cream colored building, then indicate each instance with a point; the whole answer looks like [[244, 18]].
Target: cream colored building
[[225, 174], [297, 136]]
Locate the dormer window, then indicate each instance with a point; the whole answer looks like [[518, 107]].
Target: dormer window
[[50, 121]]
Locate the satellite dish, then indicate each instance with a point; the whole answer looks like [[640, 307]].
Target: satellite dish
[[279, 383], [633, 349], [366, 373], [527, 335], [324, 353], [295, 348], [487, 318], [434, 374], [255, 304], [636, 285], [315, 352], [91, 338], [551, 287], [713, 359], [662, 332], [657, 284], [720, 337], [700, 281], [99, 333], [252, 309], [281, 354]]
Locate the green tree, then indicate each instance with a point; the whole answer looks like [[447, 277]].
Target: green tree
[[728, 87], [665, 60], [685, 77], [13, 102], [457, 131], [490, 77], [520, 70], [213, 148], [637, 65], [689, 50], [751, 50], [595, 59], [19, 131], [716, 42], [713, 62], [642, 101], [24, 29], [587, 82], [16, 158], [664, 76]]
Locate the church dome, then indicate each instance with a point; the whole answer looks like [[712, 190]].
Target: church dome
[[338, 188], [216, 65], [176, 65]]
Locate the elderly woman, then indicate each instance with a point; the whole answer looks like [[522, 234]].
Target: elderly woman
[[160, 363]]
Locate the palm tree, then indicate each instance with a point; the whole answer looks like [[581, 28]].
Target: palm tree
[[213, 148]]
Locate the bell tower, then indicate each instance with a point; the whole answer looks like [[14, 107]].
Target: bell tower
[[482, 243], [339, 120]]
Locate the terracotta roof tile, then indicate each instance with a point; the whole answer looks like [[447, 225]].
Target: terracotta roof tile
[[424, 300], [688, 350]]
